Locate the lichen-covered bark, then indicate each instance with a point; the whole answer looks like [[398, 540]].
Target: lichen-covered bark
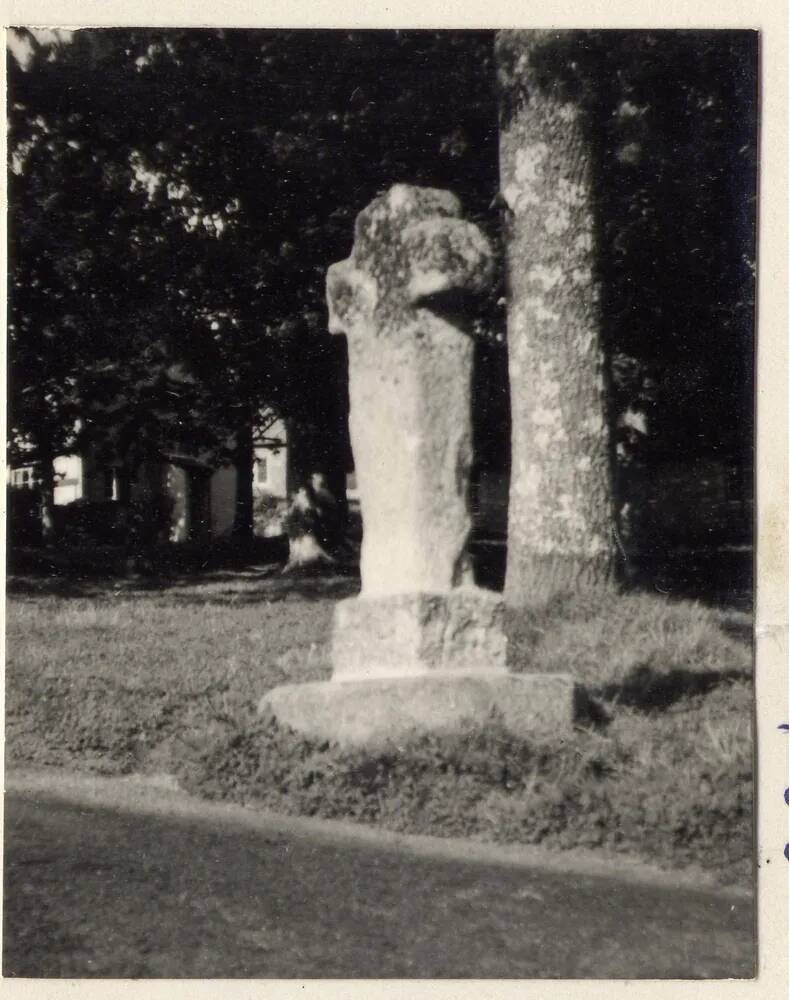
[[560, 511]]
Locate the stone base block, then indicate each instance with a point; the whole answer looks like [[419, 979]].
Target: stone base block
[[389, 711], [412, 634]]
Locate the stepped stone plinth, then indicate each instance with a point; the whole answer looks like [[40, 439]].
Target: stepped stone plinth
[[421, 649]]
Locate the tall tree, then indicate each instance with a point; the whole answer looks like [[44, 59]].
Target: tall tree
[[630, 157], [561, 503]]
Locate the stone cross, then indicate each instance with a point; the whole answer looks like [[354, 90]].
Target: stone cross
[[414, 262], [410, 383], [421, 649]]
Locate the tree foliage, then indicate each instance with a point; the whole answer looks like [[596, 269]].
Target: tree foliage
[[202, 182], [176, 196], [92, 323]]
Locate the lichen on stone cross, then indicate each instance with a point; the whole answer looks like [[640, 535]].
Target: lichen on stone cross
[[410, 382], [409, 245]]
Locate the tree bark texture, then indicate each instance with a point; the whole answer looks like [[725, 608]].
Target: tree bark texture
[[560, 508]]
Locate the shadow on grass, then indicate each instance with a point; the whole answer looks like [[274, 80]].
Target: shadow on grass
[[225, 587], [718, 578], [739, 628], [646, 690], [59, 586], [271, 591]]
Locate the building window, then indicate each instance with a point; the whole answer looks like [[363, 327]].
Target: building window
[[261, 470]]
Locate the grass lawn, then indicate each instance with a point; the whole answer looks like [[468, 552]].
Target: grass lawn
[[123, 677]]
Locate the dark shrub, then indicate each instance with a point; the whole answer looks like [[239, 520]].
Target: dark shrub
[[103, 522], [23, 522]]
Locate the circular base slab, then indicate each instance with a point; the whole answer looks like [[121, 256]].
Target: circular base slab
[[389, 711]]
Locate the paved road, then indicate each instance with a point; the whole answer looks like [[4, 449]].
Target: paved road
[[119, 892]]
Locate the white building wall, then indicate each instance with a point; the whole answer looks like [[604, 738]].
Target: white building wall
[[271, 472], [22, 477], [70, 482], [271, 464]]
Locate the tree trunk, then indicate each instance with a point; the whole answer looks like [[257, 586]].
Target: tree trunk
[[561, 506], [306, 555], [306, 534], [317, 517], [318, 450], [47, 493], [331, 466], [244, 520]]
